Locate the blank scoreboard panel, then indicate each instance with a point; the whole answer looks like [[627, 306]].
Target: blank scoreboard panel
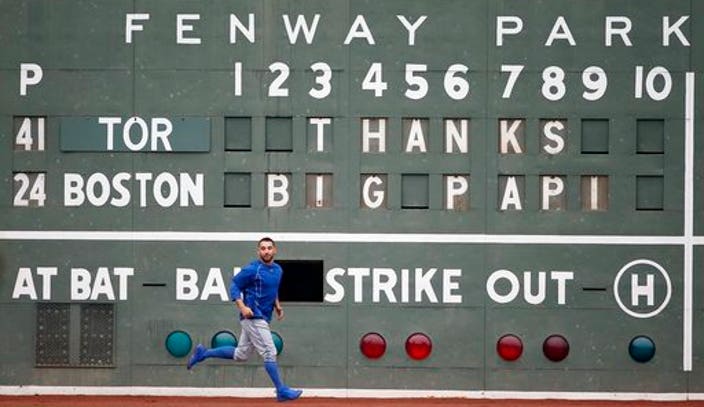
[[466, 195]]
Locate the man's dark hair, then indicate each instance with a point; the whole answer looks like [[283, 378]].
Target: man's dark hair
[[266, 239]]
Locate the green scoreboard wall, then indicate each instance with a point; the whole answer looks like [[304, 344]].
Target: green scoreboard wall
[[495, 176]]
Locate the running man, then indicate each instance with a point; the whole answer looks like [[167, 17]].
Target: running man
[[255, 293]]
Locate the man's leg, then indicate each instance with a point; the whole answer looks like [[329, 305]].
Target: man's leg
[[240, 353], [201, 353], [264, 344]]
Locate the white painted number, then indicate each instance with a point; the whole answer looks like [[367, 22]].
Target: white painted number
[[655, 83], [456, 87], [597, 85], [323, 80], [36, 191], [238, 78], [24, 137], [513, 72], [553, 83], [275, 88], [374, 80], [653, 74], [413, 80]]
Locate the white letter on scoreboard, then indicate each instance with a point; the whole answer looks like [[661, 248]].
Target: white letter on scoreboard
[[528, 295], [646, 290], [80, 284], [236, 25], [161, 130], [110, 122], [416, 139], [386, 286], [320, 123], [372, 199], [102, 285], [621, 31], [24, 284], [552, 186], [26, 79], [338, 289], [277, 190], [508, 136], [449, 285], [47, 273], [555, 137], [423, 285], [456, 137], [359, 29], [143, 133], [214, 285], [301, 25], [561, 277], [411, 27], [181, 27], [123, 273], [129, 27], [358, 274], [380, 135], [191, 190], [456, 186], [491, 286], [101, 180], [186, 284], [511, 195], [560, 31], [73, 189], [502, 29], [667, 31]]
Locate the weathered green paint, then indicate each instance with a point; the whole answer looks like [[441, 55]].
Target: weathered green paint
[[89, 71]]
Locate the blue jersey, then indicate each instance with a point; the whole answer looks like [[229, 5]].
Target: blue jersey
[[259, 285]]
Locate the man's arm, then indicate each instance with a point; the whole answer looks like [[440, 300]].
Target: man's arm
[[244, 310], [241, 280], [279, 310]]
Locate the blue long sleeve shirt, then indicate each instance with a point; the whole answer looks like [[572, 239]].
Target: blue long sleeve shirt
[[258, 283]]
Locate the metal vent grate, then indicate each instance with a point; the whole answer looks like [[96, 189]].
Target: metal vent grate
[[52, 343], [97, 328]]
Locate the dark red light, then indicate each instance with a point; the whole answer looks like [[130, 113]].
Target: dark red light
[[418, 346], [556, 348], [372, 345], [509, 347]]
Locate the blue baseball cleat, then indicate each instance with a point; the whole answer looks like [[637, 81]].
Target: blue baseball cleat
[[288, 394], [197, 356]]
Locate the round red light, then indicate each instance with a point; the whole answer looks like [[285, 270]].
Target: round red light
[[556, 348], [418, 346], [372, 345], [509, 347]]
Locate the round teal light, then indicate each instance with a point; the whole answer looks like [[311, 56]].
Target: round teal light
[[278, 342], [641, 349], [223, 338], [178, 343]]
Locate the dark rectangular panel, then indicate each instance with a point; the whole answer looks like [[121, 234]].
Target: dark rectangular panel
[[97, 331], [52, 334], [148, 134]]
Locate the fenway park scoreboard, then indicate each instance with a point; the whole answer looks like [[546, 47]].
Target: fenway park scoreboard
[[466, 195]]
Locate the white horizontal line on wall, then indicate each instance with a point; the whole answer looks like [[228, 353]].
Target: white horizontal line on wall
[[332, 237]]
